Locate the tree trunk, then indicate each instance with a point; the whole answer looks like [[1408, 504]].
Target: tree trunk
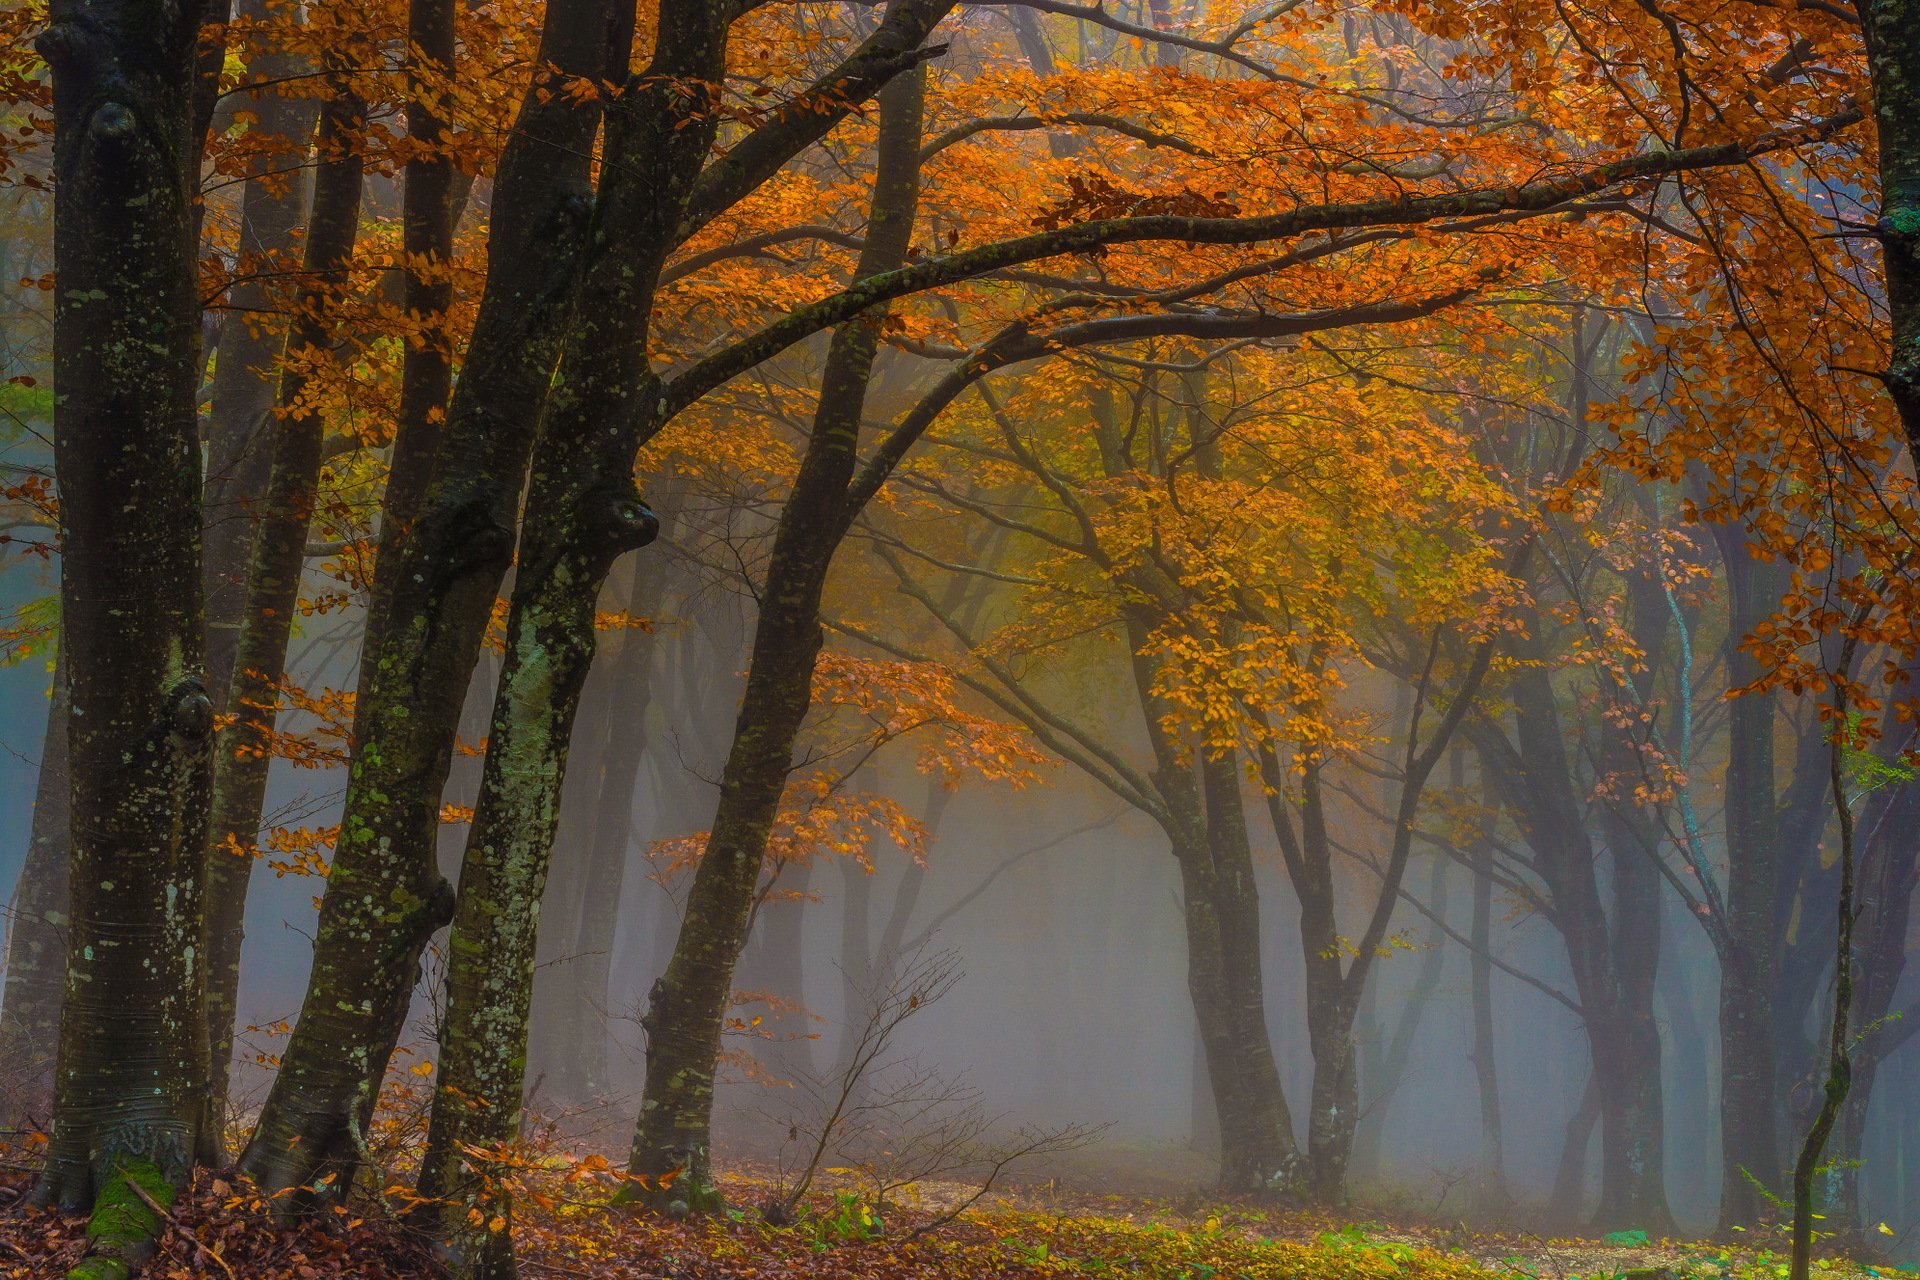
[[426, 238], [244, 754], [1614, 959], [37, 930], [686, 1007], [483, 1041], [241, 429], [1224, 978], [131, 1077], [1887, 884], [385, 896], [1893, 61], [578, 972], [1569, 1196], [1492, 1193]]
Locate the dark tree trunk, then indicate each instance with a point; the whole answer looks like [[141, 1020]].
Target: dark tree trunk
[[686, 1007], [1224, 979], [37, 930], [132, 1071], [385, 896], [1568, 1201], [244, 753], [426, 236], [1492, 1193], [1893, 61], [1613, 961]]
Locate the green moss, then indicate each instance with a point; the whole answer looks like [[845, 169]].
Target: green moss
[[124, 1226]]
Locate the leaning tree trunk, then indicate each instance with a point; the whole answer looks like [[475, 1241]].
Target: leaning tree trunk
[[37, 931], [483, 1040], [244, 754], [385, 896], [131, 1079], [687, 1006]]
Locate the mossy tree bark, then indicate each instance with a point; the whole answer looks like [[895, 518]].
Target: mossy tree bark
[[244, 755], [568, 1042], [687, 1006], [129, 1091], [554, 282], [385, 895]]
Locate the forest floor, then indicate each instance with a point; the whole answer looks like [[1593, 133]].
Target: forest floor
[[1034, 1231]]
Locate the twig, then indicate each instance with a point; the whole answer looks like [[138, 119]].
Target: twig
[[160, 1212]]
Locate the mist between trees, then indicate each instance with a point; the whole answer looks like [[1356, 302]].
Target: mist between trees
[[1308, 600]]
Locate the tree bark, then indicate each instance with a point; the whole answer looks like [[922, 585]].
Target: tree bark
[[426, 238], [686, 1007], [385, 896], [132, 1066], [1893, 62]]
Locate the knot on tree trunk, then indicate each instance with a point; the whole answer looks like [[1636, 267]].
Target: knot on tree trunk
[[620, 522], [190, 713], [71, 48]]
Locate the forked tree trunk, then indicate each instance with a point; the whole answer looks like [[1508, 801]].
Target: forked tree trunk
[[1221, 911], [130, 1084], [385, 896]]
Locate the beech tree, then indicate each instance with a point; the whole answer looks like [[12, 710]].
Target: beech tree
[[131, 1075]]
